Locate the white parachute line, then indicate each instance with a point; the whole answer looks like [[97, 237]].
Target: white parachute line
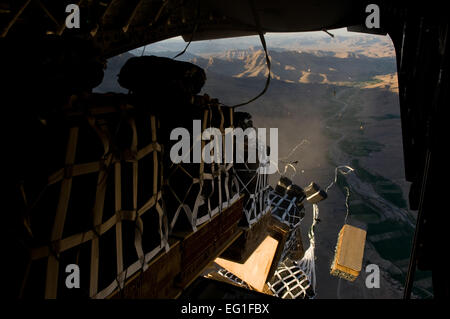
[[314, 222], [276, 165], [337, 170], [346, 204], [304, 141], [307, 263], [291, 166]]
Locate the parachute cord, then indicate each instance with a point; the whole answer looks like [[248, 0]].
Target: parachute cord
[[307, 263], [263, 43], [290, 164], [346, 204], [194, 30], [347, 190], [339, 170], [304, 141]]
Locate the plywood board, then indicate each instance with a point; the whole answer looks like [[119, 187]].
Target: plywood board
[[256, 268], [348, 258], [352, 243]]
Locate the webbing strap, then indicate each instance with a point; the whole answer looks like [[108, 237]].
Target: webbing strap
[[99, 204], [61, 211], [80, 238], [257, 204], [118, 207], [139, 225], [291, 215], [218, 179], [290, 282], [97, 220]]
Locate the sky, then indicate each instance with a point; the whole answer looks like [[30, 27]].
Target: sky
[[272, 39]]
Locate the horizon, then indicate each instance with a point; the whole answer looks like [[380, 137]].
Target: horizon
[[273, 40]]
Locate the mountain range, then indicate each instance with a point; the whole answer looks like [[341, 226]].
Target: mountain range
[[342, 44], [287, 66]]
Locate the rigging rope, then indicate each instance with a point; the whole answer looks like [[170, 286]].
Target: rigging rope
[[307, 263], [263, 43], [193, 32], [347, 196], [337, 170], [304, 141], [290, 163]]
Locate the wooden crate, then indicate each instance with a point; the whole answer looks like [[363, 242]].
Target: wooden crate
[[349, 254], [250, 239], [280, 232]]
